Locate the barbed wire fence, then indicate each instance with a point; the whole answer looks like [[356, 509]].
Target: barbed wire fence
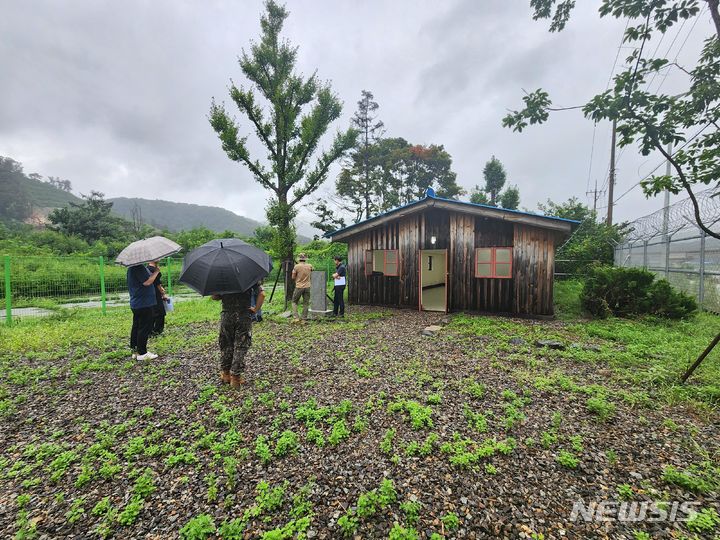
[[670, 244]]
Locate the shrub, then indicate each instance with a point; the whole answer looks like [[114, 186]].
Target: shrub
[[626, 292]]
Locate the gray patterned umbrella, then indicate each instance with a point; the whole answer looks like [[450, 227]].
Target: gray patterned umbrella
[[149, 249]]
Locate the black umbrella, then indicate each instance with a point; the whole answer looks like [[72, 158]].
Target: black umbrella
[[224, 266]]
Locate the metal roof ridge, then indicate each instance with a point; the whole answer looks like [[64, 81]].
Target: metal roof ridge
[[430, 195]]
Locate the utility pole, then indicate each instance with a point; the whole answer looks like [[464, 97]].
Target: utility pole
[[596, 195], [666, 203], [611, 182]]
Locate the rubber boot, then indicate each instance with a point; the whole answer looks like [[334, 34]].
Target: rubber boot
[[225, 377], [236, 381]]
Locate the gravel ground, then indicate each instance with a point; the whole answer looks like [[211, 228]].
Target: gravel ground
[[379, 361]]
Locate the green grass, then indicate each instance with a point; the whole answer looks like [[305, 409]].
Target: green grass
[[632, 369]]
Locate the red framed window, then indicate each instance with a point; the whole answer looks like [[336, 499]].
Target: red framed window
[[382, 261], [493, 262]]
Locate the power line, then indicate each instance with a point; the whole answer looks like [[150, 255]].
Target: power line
[[677, 34], [607, 85], [691, 139], [677, 55]]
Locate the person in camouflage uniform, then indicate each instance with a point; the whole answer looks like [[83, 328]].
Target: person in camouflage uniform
[[236, 332]]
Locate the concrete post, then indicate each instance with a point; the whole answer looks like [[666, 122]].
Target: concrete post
[[318, 294]]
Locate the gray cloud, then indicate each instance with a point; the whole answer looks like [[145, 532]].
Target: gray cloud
[[114, 96]]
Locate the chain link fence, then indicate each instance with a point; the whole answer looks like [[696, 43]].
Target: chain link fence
[[42, 286], [670, 244]]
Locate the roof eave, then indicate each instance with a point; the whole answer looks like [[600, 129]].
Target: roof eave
[[559, 225]]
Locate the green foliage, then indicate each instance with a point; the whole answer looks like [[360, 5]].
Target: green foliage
[[451, 521], [287, 443], [478, 196], [628, 292], [703, 521], [466, 452], [262, 449], [625, 492], [401, 533], [339, 432], [567, 459], [144, 486], [76, 511], [489, 194], [698, 479], [600, 407], [495, 176], [593, 242], [411, 509], [14, 200], [131, 512], [420, 417], [472, 387], [386, 444], [510, 198], [198, 528], [477, 421], [181, 455], [651, 119], [348, 525], [90, 220]]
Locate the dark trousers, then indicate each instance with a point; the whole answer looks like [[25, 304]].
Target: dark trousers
[[158, 319], [339, 300], [142, 325]]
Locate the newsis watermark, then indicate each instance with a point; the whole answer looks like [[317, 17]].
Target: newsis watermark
[[634, 511]]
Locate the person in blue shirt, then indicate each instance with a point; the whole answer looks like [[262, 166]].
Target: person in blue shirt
[[339, 278], [141, 285]]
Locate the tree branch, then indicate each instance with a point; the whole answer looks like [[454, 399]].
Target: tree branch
[[681, 175]]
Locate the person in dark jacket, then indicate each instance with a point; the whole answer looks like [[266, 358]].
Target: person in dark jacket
[[160, 299], [236, 332], [140, 282], [340, 279]]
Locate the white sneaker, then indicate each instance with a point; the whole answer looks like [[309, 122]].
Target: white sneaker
[[134, 356], [147, 356]]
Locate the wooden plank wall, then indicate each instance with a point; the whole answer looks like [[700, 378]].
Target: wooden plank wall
[[374, 289], [533, 269], [528, 292]]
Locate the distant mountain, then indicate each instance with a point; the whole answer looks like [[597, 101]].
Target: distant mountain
[[176, 216], [44, 197]]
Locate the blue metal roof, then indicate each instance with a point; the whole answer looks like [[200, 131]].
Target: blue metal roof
[[430, 194]]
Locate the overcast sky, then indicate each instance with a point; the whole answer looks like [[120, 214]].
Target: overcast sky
[[114, 96]]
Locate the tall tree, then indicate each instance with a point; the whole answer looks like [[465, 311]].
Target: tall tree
[[370, 130], [495, 176], [689, 120], [90, 220], [510, 198], [300, 111], [407, 170]]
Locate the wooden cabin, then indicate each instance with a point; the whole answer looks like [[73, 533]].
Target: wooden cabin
[[444, 255]]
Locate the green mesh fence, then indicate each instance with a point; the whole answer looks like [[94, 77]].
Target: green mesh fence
[[41, 286]]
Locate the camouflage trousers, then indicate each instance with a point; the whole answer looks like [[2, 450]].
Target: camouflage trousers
[[235, 341]]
